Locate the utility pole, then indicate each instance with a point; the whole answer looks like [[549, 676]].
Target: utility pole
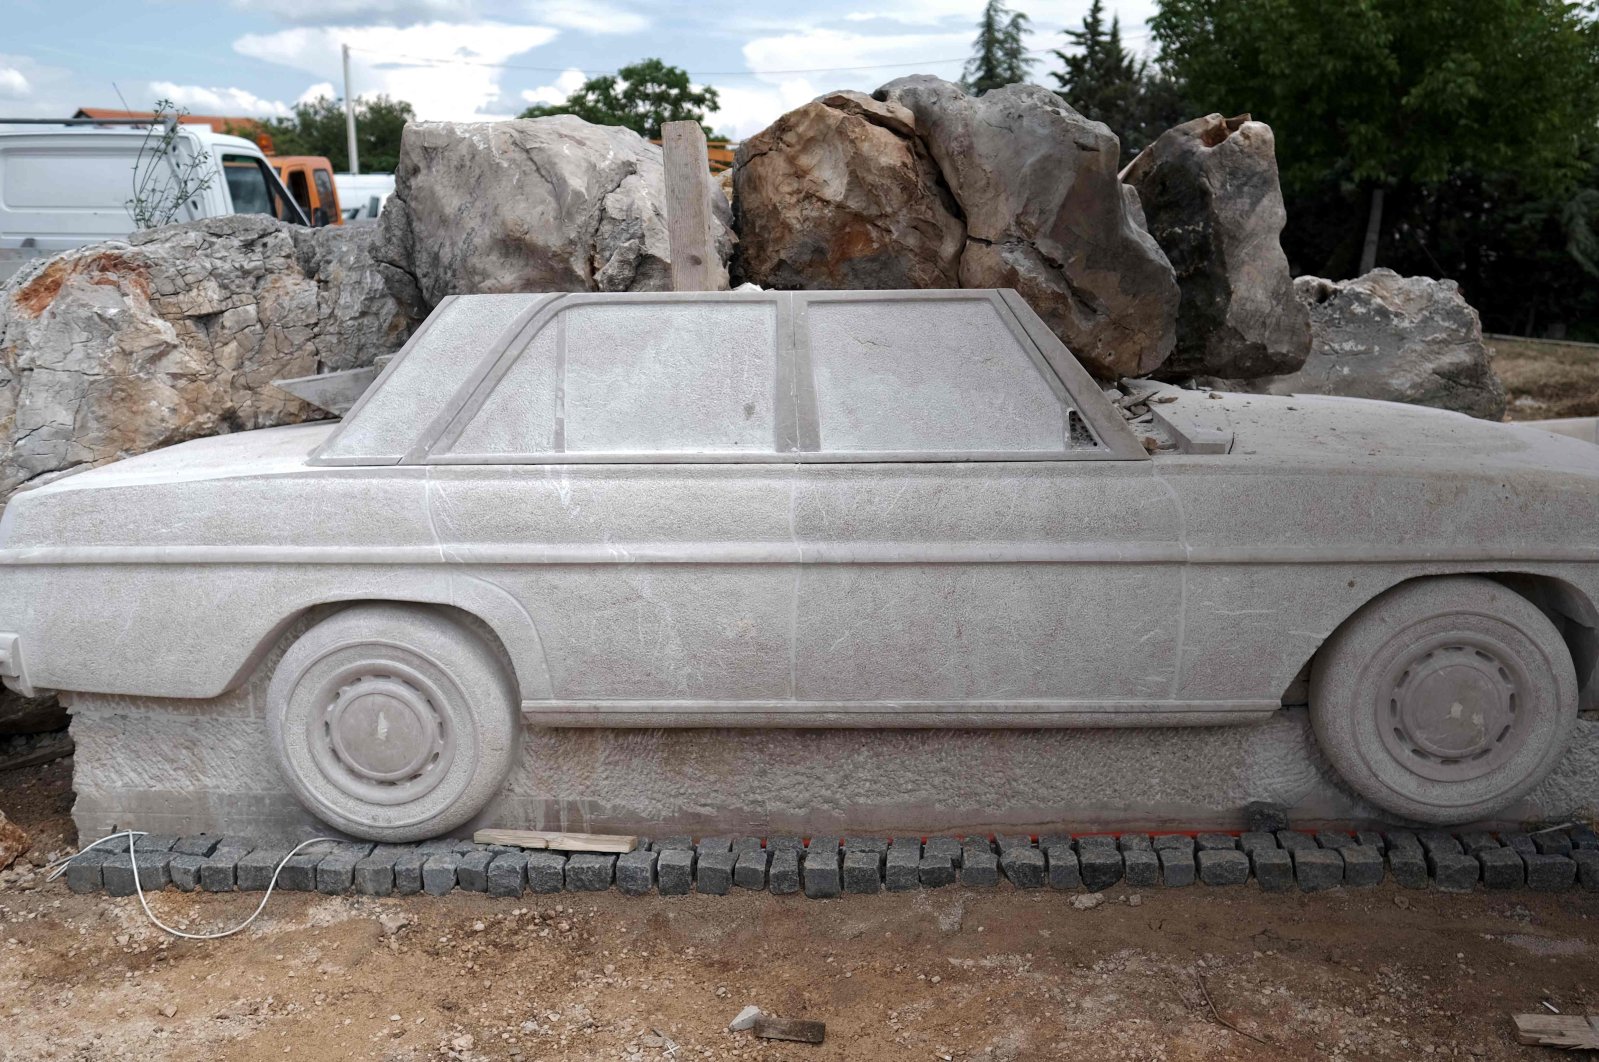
[[349, 113]]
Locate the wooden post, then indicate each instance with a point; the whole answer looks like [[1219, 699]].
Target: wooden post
[[690, 232]]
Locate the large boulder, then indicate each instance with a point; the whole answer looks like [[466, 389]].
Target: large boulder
[[1404, 339], [30, 715], [121, 347], [1212, 200], [540, 204], [1031, 184]]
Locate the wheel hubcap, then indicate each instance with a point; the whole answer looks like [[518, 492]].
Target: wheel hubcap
[[1451, 709], [380, 735]]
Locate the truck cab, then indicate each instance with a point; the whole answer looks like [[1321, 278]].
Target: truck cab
[[309, 179]]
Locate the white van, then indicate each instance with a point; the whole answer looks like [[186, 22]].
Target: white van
[[362, 195], [68, 185]]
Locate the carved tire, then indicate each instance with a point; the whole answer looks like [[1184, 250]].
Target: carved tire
[[1444, 700], [393, 722]]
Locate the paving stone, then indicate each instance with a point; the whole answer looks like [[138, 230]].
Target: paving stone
[[863, 870], [217, 874], [947, 848], [1435, 841], [1587, 860], [1274, 868], [1548, 842], [1006, 841], [116, 874], [1254, 839], [1546, 872], [979, 867], [184, 871], [1402, 840], [546, 871], [1101, 867], [1502, 868], [507, 874], [408, 871], [254, 872], [591, 871], [715, 873], [713, 844], [1317, 869], [1453, 871], [1046, 841], [1064, 872], [783, 875], [746, 844], [1371, 839], [985, 844], [1362, 865], [1583, 837], [1334, 839], [1407, 865], [83, 873], [299, 873], [903, 867], [1216, 842], [1295, 841], [750, 870], [1141, 867], [1263, 816], [155, 842], [374, 875], [471, 874], [1223, 866], [1135, 842], [336, 874], [1025, 867], [117, 842], [821, 874], [1521, 842], [201, 844], [665, 843], [1176, 866], [674, 871], [1474, 841], [635, 871], [434, 845], [790, 844], [937, 870], [866, 844], [438, 873], [1179, 842], [1105, 841]]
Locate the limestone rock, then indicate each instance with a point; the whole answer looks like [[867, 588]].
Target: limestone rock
[[1211, 197], [13, 841], [541, 204], [1404, 339], [840, 193], [29, 715], [118, 348]]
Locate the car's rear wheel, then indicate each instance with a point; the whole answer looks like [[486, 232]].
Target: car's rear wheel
[[1444, 700], [393, 722]]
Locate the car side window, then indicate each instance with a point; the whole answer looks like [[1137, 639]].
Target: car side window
[[923, 376], [252, 190]]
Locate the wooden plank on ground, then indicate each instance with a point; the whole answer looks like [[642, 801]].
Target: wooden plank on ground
[[690, 228], [558, 841], [805, 1032], [1569, 1031]]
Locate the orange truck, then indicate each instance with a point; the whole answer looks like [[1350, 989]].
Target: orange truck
[[309, 179]]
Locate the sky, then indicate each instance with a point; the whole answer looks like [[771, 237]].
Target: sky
[[466, 60]]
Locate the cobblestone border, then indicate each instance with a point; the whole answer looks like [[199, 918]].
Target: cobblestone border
[[1549, 861]]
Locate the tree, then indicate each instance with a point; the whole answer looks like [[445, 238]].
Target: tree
[[999, 55], [1104, 81], [642, 97], [318, 128], [1385, 97]]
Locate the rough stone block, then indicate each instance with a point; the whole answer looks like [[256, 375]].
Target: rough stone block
[[1583, 837], [254, 872], [185, 871], [1141, 867], [1262, 816], [866, 844], [1587, 861], [979, 867], [117, 872], [1254, 839], [336, 874], [1064, 872], [1474, 841], [750, 870], [201, 844], [902, 869], [635, 872], [1046, 841], [1174, 842], [785, 844], [1362, 865], [374, 875], [936, 871], [1546, 872], [438, 873], [1024, 866], [1101, 867], [1402, 840], [591, 871], [783, 876], [674, 871], [83, 873], [299, 873], [217, 874], [1274, 868], [507, 874], [546, 871], [1371, 839], [1435, 841], [862, 870], [1548, 842], [1295, 841], [1105, 841], [408, 871], [713, 844], [821, 871], [1317, 869], [154, 842], [472, 875], [1176, 866], [1453, 871], [1334, 839], [1521, 842], [1223, 866], [715, 874], [1134, 842], [1407, 865], [747, 844], [946, 848], [1216, 842], [664, 843], [1502, 868]]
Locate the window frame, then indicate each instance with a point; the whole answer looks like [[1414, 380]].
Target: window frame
[[797, 431]]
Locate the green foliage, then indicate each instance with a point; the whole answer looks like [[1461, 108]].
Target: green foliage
[[642, 97], [1104, 81], [999, 55], [164, 178], [317, 128]]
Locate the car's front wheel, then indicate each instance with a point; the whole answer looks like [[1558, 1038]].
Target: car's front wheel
[[1445, 699], [393, 722]]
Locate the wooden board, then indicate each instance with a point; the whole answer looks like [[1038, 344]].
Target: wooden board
[[805, 1032], [1569, 1031], [689, 230], [557, 841]]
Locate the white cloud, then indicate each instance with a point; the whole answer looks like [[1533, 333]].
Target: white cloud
[[318, 91], [431, 65], [745, 109], [564, 85], [854, 60], [589, 16], [225, 101], [13, 86]]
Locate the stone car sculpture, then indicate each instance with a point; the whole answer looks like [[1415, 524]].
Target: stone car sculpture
[[820, 509]]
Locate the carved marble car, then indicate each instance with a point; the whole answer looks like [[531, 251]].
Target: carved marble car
[[820, 509]]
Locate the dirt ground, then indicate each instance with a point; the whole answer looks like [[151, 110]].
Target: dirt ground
[[1545, 380], [947, 974]]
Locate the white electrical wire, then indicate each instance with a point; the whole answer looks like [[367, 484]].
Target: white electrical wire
[[62, 864]]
